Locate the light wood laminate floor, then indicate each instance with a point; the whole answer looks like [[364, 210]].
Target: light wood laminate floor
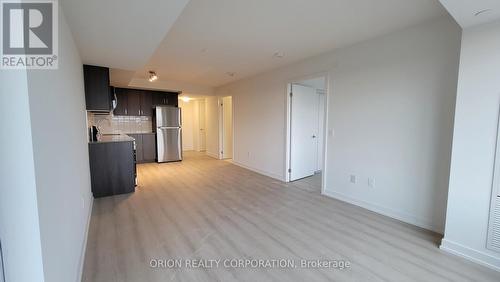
[[203, 208]]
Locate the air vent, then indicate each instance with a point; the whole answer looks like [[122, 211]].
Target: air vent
[[494, 226], [493, 242]]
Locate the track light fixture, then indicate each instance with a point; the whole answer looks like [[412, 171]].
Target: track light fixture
[[152, 76]]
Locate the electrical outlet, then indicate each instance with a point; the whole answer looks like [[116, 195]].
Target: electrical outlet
[[330, 132], [352, 179], [371, 182]]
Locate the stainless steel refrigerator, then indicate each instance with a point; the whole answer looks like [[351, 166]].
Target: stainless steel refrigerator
[[168, 134]]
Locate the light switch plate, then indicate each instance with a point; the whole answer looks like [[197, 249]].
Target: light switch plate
[[371, 182], [352, 178]]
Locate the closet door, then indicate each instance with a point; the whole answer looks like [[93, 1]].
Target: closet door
[[303, 132]]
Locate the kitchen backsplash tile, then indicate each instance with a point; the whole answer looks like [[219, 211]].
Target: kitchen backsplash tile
[[110, 124]]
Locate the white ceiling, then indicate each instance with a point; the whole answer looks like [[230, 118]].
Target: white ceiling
[[120, 33], [119, 77], [199, 43], [464, 11], [212, 38]]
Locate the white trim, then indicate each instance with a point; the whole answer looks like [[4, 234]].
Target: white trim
[[232, 125], [328, 93], [272, 175], [476, 256], [212, 155], [399, 215], [221, 126], [84, 245], [220, 123], [288, 88]]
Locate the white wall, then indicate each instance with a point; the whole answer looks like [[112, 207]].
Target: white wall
[[19, 224], [58, 123], [212, 126], [391, 107], [188, 117], [474, 141]]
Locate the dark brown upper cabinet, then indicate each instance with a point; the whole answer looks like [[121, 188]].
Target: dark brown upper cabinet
[[98, 96], [121, 102], [160, 98], [134, 102], [173, 99], [147, 103]]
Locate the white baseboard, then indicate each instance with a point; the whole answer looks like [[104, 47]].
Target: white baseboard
[[84, 245], [215, 156], [272, 175], [405, 217], [470, 254]]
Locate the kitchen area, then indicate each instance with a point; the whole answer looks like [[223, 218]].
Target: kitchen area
[[127, 127]]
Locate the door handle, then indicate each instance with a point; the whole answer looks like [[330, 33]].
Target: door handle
[[314, 136]]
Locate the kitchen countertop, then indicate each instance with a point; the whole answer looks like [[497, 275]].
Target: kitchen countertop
[[107, 138]]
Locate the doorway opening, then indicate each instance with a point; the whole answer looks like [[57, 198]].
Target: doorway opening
[[226, 128], [193, 122], [306, 123]]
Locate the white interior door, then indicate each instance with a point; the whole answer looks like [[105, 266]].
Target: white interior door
[[202, 145], [321, 134], [303, 132], [227, 127]]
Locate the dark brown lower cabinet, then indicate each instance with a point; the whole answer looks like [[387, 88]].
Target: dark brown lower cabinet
[[149, 147], [145, 145], [138, 147], [112, 168]]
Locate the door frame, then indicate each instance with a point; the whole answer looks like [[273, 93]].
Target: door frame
[[199, 101], [288, 101], [221, 125]]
